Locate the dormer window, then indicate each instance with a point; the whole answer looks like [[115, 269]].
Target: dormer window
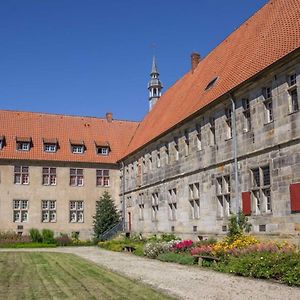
[[23, 143], [50, 145], [1, 142], [77, 147], [102, 148]]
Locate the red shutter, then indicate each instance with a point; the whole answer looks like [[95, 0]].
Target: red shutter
[[246, 201], [295, 197]]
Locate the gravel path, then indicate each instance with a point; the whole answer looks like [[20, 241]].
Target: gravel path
[[183, 282]]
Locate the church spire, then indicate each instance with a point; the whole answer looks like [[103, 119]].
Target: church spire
[[154, 85]]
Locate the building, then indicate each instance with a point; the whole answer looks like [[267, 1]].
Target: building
[[53, 169], [225, 137]]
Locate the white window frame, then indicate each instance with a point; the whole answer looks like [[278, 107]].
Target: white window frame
[[103, 176], [48, 173], [23, 146], [20, 210], [77, 149], [79, 178], [50, 148], [22, 174], [76, 209], [48, 209]]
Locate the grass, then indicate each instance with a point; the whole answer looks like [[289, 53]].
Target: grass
[[64, 276]]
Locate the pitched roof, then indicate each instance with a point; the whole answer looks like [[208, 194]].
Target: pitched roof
[[62, 129], [269, 35]]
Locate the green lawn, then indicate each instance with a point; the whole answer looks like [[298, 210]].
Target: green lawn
[[64, 276]]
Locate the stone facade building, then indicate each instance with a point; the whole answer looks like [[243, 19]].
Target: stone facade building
[[224, 138]]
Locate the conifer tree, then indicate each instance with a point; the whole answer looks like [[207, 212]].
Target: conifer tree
[[106, 215]]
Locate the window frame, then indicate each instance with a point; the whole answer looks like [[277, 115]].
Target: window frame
[[78, 178], [23, 211], [77, 210]]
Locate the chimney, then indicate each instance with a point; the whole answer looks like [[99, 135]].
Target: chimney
[[109, 117], [195, 59]]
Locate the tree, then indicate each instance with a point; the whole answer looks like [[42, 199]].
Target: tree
[[238, 224], [106, 215]]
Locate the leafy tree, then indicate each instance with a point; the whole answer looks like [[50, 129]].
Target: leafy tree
[[106, 215]]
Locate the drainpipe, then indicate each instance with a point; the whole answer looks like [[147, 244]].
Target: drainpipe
[[123, 197], [234, 150]]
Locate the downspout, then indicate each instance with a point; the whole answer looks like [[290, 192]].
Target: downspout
[[234, 150], [123, 197]]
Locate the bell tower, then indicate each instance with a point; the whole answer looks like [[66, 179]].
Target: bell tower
[[154, 85]]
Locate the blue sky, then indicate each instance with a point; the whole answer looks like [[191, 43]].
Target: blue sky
[[89, 57]]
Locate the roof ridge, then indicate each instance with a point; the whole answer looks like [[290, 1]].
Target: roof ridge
[[65, 115]]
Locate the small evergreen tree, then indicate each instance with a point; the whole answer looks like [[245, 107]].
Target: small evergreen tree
[[238, 224], [106, 215]]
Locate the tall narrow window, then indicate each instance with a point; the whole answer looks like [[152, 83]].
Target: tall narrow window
[[261, 190], [194, 200], [167, 154], [172, 202], [223, 189], [212, 124], [198, 137], [49, 176], [293, 94], [158, 162], [176, 148], [21, 175], [267, 94], [228, 113], [247, 115], [141, 205], [154, 206], [186, 143]]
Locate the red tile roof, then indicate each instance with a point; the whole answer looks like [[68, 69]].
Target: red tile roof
[[269, 35], [63, 129]]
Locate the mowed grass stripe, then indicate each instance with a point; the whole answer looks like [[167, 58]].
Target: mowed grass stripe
[[34, 275]]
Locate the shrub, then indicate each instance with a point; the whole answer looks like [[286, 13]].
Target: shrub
[[280, 266], [168, 237], [238, 224], [153, 249], [63, 240], [180, 258], [48, 236], [183, 245], [35, 235]]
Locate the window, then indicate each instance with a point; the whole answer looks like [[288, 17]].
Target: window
[[102, 177], [50, 147], [228, 113], [247, 115], [154, 206], [293, 94], [21, 175], [20, 211], [49, 176], [176, 149], [144, 165], [77, 149], [48, 211], [194, 200], [76, 177], [158, 162], [223, 189], [211, 83], [141, 205], [186, 142], [212, 123], [76, 211], [102, 150], [172, 203], [1, 142], [150, 162], [23, 146], [267, 94], [167, 154], [261, 190], [198, 137]]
